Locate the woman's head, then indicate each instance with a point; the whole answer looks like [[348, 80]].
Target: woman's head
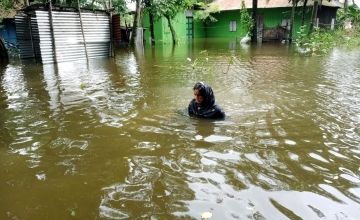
[[203, 94]]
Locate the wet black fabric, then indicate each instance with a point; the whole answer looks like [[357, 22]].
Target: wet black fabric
[[207, 109]]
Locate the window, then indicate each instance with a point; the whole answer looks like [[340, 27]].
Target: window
[[232, 26]]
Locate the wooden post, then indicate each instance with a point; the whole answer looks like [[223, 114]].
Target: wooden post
[[314, 15], [82, 31], [52, 32], [112, 50], [31, 37], [292, 21], [254, 18]]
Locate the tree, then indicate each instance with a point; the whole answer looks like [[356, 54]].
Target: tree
[[136, 22], [149, 9], [303, 13], [314, 15], [169, 9], [292, 19], [246, 20]]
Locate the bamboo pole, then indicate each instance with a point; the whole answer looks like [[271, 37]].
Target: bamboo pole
[[31, 38], [52, 31], [292, 23], [82, 31], [112, 49]]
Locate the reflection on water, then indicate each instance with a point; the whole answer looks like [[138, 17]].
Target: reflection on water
[[111, 139]]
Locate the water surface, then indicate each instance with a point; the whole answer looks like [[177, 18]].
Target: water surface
[[111, 139]]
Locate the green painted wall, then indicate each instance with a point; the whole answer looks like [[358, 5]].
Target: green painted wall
[[158, 29], [162, 31], [272, 18], [199, 29], [220, 29]]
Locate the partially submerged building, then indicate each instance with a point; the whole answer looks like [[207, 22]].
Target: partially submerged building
[[273, 17], [58, 34], [273, 20]]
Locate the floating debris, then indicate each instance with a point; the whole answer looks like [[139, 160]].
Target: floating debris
[[206, 215]]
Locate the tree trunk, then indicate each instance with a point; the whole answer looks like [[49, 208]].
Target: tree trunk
[[152, 33], [346, 4], [292, 21], [135, 24], [303, 13], [314, 15], [254, 18], [151, 21], [173, 34]]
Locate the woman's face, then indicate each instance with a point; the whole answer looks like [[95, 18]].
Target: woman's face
[[198, 98]]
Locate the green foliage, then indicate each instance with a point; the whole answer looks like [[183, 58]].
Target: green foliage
[[169, 8], [302, 38], [347, 39], [120, 6], [126, 19], [201, 64], [245, 18], [321, 41], [352, 14], [6, 4], [206, 13], [318, 42]]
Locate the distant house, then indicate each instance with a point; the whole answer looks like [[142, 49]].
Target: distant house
[[273, 21], [273, 18]]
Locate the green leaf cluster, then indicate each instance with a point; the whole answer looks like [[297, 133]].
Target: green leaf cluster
[[246, 20], [320, 41], [351, 14], [6, 4], [168, 8], [206, 14]]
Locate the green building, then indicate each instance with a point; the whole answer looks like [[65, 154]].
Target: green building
[[273, 21], [186, 27]]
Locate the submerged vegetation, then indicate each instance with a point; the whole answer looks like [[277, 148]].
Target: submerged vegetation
[[320, 41]]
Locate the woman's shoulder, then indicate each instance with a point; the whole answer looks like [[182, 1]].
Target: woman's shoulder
[[218, 112]]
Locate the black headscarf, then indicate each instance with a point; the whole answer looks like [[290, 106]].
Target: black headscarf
[[207, 109]]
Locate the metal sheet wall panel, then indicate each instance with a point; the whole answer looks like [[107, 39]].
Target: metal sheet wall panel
[[23, 36], [69, 42]]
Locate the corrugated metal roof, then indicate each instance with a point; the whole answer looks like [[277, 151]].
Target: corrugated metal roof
[[227, 5]]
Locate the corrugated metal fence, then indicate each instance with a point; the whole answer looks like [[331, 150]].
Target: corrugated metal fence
[[68, 39]]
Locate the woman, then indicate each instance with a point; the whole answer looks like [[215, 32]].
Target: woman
[[203, 105]]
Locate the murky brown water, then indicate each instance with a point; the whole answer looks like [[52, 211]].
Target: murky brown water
[[112, 140]]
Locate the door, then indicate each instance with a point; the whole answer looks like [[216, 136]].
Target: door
[[190, 27]]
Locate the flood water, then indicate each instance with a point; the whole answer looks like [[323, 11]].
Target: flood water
[[112, 139]]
